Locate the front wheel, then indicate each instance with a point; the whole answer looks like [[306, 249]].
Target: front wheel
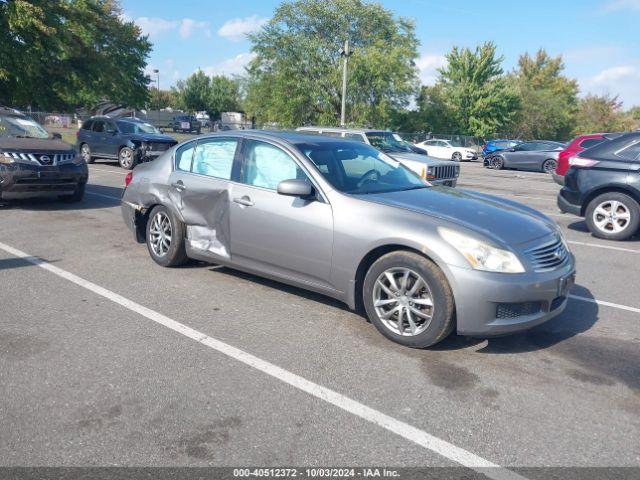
[[409, 300], [497, 163], [165, 238], [127, 158], [549, 166], [613, 216], [456, 157], [85, 153]]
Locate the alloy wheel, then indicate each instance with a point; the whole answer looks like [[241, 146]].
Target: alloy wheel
[[611, 216], [403, 302], [126, 158], [457, 157], [85, 152], [160, 234], [549, 166]]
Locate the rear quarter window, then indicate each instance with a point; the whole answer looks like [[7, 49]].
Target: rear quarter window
[[630, 152], [87, 125]]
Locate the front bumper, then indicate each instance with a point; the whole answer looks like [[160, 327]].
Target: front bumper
[[445, 182], [22, 180], [493, 304]]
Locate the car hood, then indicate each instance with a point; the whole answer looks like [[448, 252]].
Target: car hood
[[153, 137], [34, 145], [504, 221], [416, 157]]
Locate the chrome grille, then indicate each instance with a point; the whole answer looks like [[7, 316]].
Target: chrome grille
[[160, 146], [445, 172], [548, 256], [41, 158]]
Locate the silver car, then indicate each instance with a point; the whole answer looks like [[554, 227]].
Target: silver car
[[346, 220], [437, 171], [537, 155]]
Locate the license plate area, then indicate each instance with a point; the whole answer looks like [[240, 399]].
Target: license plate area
[[565, 284]]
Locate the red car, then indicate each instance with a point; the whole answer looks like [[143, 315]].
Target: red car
[[579, 144]]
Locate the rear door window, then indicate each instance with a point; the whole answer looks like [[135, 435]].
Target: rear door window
[[99, 126], [213, 157], [591, 142]]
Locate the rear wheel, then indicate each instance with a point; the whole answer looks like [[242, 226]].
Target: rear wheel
[[127, 158], [165, 238], [85, 153], [408, 299], [613, 215], [549, 165]]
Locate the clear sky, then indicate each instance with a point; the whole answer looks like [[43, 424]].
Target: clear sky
[[599, 39]]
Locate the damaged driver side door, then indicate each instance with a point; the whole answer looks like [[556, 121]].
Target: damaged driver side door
[[199, 188]]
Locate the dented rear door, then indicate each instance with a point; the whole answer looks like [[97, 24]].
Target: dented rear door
[[199, 189]]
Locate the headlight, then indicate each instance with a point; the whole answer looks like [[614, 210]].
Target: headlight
[[6, 158], [481, 255]]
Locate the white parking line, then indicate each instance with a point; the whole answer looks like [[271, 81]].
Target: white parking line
[[98, 169], [607, 247], [605, 304], [409, 432], [111, 197]]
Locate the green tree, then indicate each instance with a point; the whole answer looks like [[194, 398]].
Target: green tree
[[548, 99], [65, 54], [224, 96], [471, 96], [602, 114], [214, 95], [296, 75]]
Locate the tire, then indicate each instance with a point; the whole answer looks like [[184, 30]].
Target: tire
[[497, 163], [435, 289], [127, 158], [549, 165], [173, 255], [625, 223], [456, 157], [85, 153], [76, 197]]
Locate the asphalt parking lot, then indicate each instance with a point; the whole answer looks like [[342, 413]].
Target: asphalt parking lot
[[96, 371]]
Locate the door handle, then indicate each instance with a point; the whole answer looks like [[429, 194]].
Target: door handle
[[179, 186], [244, 201]]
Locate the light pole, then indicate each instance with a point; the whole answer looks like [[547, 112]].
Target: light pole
[[345, 53], [157, 72]]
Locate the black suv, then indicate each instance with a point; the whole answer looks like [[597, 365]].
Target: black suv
[[186, 123], [603, 185], [36, 164], [129, 140]]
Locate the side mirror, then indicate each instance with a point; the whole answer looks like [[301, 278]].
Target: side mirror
[[295, 188], [56, 136]]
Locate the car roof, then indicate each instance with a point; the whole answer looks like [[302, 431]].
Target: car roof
[[339, 129], [288, 136]]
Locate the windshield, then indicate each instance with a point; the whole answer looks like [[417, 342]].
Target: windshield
[[388, 142], [360, 169], [137, 127], [18, 126]]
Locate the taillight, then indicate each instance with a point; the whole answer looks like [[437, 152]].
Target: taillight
[[127, 179], [579, 162]]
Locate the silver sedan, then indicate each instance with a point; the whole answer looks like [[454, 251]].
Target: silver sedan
[[346, 220]]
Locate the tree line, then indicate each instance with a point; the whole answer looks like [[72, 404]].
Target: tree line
[[76, 53]]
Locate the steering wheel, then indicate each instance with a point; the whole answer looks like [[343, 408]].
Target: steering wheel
[[366, 177]]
